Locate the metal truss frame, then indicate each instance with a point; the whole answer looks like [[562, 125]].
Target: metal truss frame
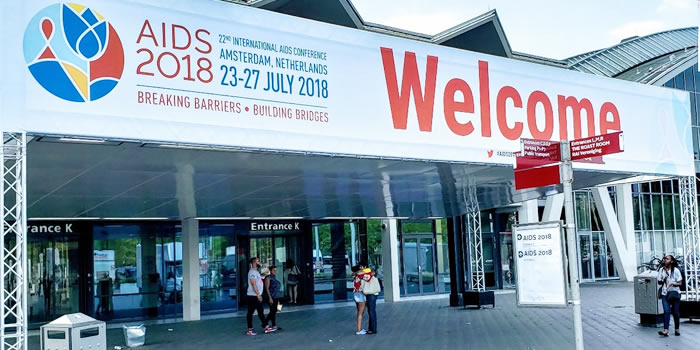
[[691, 235], [476, 251], [13, 243]]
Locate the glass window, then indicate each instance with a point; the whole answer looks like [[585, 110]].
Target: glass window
[[669, 83], [374, 246], [669, 243], [689, 79], [635, 211], [696, 145], [646, 211], [645, 187], [657, 211], [583, 211], [646, 246], [137, 271], [677, 212], [635, 188], [693, 109], [678, 81], [416, 227], [218, 268], [695, 97], [640, 248], [658, 244], [442, 251], [656, 187], [486, 222], [333, 281], [667, 186], [668, 212], [679, 243]]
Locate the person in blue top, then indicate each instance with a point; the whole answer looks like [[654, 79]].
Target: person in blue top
[[272, 292], [670, 280]]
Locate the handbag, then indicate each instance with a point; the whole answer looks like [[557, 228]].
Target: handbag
[[279, 307], [372, 287], [673, 296]]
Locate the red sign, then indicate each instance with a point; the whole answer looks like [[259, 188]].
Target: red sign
[[537, 177], [536, 153], [596, 146]]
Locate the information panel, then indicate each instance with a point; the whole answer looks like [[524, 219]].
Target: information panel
[[539, 264]]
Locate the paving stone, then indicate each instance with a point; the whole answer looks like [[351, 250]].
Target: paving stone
[[609, 322]]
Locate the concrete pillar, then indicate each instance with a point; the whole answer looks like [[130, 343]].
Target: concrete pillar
[[390, 260], [190, 269], [623, 253], [552, 207], [625, 214], [528, 212]]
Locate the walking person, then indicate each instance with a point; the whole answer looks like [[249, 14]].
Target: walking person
[[670, 279], [272, 293], [371, 289], [358, 296], [254, 298], [293, 275]]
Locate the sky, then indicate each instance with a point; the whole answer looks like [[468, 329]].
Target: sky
[[549, 28]]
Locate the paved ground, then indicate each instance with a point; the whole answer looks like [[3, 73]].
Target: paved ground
[[609, 321]]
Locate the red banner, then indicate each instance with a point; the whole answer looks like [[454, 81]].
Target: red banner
[[537, 177], [596, 146]]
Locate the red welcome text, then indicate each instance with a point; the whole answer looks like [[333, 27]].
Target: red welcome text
[[162, 47], [608, 117]]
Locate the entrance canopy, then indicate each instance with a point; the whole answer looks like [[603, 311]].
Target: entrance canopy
[[69, 179], [284, 116]]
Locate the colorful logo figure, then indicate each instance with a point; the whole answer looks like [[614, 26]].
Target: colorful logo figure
[[73, 52]]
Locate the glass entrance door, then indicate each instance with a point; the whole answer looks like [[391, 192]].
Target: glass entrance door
[[270, 251], [599, 257], [418, 264], [54, 284], [585, 253]]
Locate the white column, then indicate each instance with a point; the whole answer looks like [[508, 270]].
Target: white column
[[552, 207], [623, 252], [528, 212], [625, 215], [190, 268], [390, 260]]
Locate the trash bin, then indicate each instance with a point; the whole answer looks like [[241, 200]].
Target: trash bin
[[134, 335], [646, 301], [74, 332]]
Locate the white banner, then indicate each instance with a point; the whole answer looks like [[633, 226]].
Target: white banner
[[216, 73], [539, 264]]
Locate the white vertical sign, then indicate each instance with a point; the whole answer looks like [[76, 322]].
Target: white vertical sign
[[539, 262]]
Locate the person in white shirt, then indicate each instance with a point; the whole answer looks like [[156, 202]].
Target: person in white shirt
[[254, 298], [670, 280]]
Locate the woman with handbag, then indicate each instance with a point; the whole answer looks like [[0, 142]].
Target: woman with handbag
[[371, 289], [358, 272], [669, 278], [272, 291], [292, 279]]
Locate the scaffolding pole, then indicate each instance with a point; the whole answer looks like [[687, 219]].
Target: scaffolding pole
[[691, 236], [13, 243], [476, 250]]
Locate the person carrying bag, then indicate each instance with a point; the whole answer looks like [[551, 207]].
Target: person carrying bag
[[371, 288], [670, 280]]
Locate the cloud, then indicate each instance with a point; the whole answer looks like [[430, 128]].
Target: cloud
[[639, 28], [674, 5]]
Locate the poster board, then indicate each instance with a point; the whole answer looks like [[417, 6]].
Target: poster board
[[539, 264]]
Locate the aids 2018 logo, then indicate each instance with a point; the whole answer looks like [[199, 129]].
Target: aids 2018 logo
[[73, 52]]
